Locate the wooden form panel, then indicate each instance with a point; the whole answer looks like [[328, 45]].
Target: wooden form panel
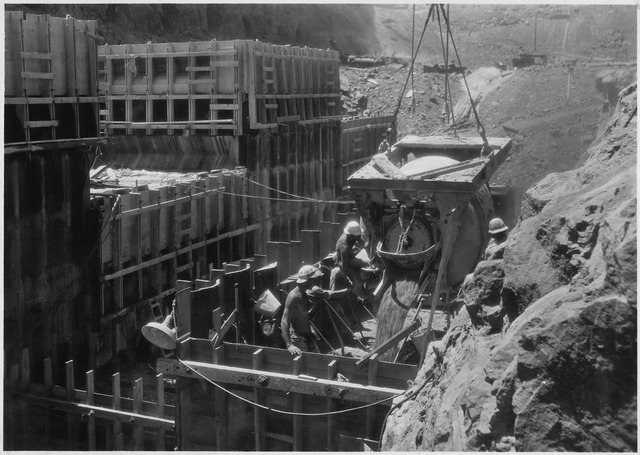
[[292, 84], [151, 238], [359, 141], [53, 415], [177, 88], [50, 78], [272, 378], [49, 56], [199, 87]]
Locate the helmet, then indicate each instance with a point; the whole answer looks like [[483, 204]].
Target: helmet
[[353, 228], [496, 226], [307, 272]]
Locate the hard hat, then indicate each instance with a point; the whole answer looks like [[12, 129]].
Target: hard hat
[[307, 272], [496, 226], [353, 228]]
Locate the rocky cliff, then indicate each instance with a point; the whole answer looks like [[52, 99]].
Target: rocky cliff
[[302, 24], [543, 355]]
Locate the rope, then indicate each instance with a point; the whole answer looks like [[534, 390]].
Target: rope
[[307, 200], [480, 127], [281, 411], [276, 190]]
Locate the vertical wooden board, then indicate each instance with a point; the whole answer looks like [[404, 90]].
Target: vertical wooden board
[[106, 236], [138, 434], [129, 227], [12, 46], [310, 246], [183, 308], [203, 302], [35, 29], [295, 256], [70, 54], [92, 58], [148, 222], [211, 206], [273, 254], [165, 193], [58, 57]]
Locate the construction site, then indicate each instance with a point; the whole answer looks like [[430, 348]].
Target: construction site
[[320, 227]]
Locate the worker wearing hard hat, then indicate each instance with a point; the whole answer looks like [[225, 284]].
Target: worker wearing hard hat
[[295, 325], [498, 232], [350, 266]]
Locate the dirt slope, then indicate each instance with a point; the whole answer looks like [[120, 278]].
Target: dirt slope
[[544, 354]]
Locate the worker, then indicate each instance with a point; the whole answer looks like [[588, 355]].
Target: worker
[[498, 232], [295, 325], [384, 145], [350, 268]]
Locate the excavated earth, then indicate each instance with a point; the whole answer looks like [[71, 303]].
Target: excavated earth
[[543, 355]]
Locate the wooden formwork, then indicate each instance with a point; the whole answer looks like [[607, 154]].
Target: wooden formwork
[[291, 84], [48, 245], [153, 237], [213, 87], [326, 402], [47, 416], [50, 78], [228, 391], [359, 141]]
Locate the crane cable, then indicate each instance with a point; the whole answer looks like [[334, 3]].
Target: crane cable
[[485, 148], [413, 59], [448, 102]]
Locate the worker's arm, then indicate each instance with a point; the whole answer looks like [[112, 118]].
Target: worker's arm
[[284, 326]]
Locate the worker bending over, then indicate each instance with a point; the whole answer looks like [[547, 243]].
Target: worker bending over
[[351, 267], [295, 325], [498, 232]]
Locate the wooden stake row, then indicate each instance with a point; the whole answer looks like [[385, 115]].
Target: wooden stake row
[[100, 413]]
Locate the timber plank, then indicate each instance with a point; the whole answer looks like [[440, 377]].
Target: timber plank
[[277, 381]]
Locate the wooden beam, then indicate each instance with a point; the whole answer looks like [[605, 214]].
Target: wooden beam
[[277, 381], [390, 343], [118, 416], [228, 323]]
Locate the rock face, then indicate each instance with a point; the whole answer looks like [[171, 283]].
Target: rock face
[[543, 356]]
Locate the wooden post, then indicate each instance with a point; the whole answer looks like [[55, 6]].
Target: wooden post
[[118, 437], [332, 371], [258, 414], [372, 380], [91, 420], [72, 435], [160, 409], [138, 430], [297, 407], [220, 398]]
